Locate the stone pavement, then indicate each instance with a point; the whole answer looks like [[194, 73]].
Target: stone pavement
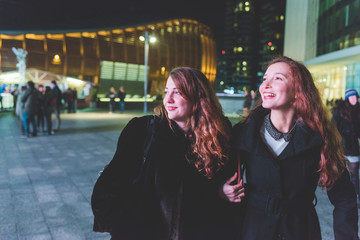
[[46, 182]]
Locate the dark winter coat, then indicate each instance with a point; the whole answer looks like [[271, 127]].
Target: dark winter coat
[[177, 196], [280, 190], [29, 100], [349, 131]]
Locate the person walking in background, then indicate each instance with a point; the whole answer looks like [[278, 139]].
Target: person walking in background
[[247, 104], [40, 116], [287, 147], [186, 166], [121, 96], [112, 95], [69, 99], [75, 100], [15, 94], [49, 108], [58, 97], [346, 115], [29, 100]]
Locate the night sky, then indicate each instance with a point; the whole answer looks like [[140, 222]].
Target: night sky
[[80, 14]]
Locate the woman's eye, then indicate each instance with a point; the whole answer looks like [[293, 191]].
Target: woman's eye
[[278, 78], [165, 92]]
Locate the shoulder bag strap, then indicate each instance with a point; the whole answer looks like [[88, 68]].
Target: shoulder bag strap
[[239, 171], [150, 136]]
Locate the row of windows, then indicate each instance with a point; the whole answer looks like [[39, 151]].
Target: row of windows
[[326, 5], [342, 42]]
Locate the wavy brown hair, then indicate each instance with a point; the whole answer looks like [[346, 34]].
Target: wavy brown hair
[[209, 130], [310, 109]]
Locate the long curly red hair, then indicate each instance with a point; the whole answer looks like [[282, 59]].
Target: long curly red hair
[[309, 107], [209, 130]]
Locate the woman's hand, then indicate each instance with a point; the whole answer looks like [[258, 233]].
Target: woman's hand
[[232, 193]]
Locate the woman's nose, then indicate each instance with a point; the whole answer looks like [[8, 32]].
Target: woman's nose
[[169, 98]]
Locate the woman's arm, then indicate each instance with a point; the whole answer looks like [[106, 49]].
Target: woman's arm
[[345, 214], [112, 189]]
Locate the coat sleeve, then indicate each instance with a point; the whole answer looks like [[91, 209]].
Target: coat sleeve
[[111, 192], [345, 214]]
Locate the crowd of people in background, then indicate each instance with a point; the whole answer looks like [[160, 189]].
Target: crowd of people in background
[[35, 106]]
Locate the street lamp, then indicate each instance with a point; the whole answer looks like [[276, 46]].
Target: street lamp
[[146, 56]]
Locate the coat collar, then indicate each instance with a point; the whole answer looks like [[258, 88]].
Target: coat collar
[[247, 137]]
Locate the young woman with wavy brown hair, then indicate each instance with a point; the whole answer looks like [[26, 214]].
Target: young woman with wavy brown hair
[[288, 146], [207, 129], [187, 163]]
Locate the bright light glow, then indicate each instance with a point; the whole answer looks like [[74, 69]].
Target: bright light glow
[[244, 63], [247, 9], [56, 59], [269, 43], [152, 39], [222, 83], [281, 17], [75, 82], [223, 52], [272, 48], [142, 38], [239, 49], [244, 68], [247, 3]]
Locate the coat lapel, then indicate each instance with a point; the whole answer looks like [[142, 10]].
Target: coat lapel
[[304, 139], [247, 137]]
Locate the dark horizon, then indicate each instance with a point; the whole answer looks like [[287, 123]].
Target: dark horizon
[[22, 15]]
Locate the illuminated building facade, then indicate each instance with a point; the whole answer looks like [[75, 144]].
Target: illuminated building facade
[[328, 42], [253, 32], [114, 57]]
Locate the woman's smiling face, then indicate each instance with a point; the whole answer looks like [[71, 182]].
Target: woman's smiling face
[[177, 107], [277, 88]]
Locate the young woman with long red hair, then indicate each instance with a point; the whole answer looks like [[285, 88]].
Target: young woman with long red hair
[[188, 158], [288, 146]]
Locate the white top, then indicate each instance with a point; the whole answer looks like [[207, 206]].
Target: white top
[[275, 146]]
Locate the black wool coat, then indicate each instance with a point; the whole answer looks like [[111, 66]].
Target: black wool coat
[[280, 190], [176, 195], [350, 131]]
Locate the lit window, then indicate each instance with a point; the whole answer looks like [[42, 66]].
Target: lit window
[[169, 29], [282, 17], [277, 36], [244, 68], [239, 49], [56, 59]]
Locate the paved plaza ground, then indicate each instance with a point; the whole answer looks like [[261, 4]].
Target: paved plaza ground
[[46, 182]]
